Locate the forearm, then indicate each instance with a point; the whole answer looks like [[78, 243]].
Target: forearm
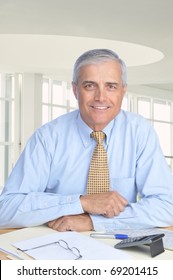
[[108, 204], [146, 213], [23, 210]]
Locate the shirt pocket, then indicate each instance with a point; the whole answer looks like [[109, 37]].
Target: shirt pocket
[[126, 187]]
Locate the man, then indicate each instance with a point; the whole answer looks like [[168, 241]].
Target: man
[[49, 182]]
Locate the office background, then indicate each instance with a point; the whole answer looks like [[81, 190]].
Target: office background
[[39, 42]]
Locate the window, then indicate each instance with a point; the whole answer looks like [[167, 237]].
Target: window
[[57, 99], [125, 103], [159, 113], [164, 127], [7, 126], [144, 107]]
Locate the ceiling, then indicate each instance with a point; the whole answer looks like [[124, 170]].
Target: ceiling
[[46, 36]]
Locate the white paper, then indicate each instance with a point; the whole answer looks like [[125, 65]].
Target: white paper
[[89, 248]]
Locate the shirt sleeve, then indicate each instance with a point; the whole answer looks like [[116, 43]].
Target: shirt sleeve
[[24, 201], [154, 183]]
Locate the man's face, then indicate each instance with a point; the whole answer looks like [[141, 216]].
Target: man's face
[[99, 92]]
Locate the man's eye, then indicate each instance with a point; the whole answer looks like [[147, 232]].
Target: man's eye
[[112, 87], [89, 86]]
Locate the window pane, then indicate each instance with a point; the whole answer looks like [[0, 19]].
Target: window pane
[[7, 125], [12, 87], [12, 122], [59, 97], [0, 85], [7, 121], [57, 111], [2, 166], [45, 91], [2, 122], [45, 114], [164, 132], [72, 99], [144, 108], [124, 103], [162, 111]]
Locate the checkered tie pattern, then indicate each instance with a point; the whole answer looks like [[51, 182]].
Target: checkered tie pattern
[[98, 177]]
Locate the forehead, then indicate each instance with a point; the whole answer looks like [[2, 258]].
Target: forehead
[[107, 70]]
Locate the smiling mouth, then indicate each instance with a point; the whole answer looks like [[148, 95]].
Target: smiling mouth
[[102, 108]]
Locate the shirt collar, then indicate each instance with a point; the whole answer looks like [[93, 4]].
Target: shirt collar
[[85, 131]]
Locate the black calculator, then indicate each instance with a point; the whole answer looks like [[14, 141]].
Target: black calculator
[[155, 242]]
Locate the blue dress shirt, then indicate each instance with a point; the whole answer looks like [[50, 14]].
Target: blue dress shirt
[[51, 174]]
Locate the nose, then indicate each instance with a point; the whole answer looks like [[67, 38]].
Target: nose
[[100, 94]]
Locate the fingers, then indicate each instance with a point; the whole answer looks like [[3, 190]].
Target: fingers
[[81, 222], [55, 224], [116, 206], [61, 224], [108, 204], [111, 211]]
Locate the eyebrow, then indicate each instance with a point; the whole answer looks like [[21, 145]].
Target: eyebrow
[[86, 82], [112, 83], [107, 83]]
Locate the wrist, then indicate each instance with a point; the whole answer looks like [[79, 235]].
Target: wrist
[[83, 202]]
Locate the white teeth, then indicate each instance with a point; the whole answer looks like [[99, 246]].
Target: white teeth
[[100, 108]]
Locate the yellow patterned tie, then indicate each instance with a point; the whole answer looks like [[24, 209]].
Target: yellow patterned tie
[[98, 177]]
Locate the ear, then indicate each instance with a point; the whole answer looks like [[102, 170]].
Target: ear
[[74, 87]]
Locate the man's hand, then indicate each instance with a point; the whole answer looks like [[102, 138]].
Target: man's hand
[[108, 204], [81, 222]]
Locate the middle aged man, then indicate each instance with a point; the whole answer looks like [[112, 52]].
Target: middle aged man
[[49, 182]]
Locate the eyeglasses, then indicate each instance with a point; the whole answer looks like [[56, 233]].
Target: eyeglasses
[[75, 251]]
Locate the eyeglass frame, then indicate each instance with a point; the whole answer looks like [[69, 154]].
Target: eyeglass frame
[[66, 247]]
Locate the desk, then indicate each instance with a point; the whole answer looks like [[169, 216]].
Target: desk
[[3, 255], [135, 252]]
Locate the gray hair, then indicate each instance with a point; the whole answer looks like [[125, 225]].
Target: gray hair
[[97, 56]]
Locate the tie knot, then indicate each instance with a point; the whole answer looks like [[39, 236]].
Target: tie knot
[[99, 136]]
